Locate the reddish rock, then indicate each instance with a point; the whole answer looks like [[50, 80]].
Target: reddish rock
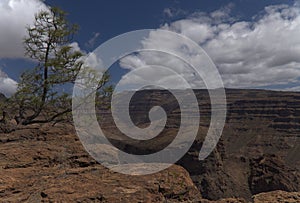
[[49, 165]]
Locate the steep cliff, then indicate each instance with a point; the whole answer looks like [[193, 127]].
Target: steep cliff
[[258, 151]]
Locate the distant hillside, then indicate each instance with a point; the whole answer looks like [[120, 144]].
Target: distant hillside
[[258, 151]]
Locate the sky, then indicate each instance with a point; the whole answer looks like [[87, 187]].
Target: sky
[[253, 43]]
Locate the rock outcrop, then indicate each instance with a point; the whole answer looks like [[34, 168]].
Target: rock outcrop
[[257, 154], [261, 125], [50, 165], [277, 197]]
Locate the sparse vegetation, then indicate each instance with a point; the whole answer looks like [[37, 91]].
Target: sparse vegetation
[[44, 92]]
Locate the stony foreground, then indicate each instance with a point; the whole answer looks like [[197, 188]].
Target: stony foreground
[[50, 165]]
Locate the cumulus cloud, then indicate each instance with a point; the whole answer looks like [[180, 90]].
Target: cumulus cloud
[[170, 56], [262, 52], [7, 86], [75, 47], [15, 15]]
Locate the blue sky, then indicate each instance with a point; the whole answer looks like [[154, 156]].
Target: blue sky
[[102, 20], [112, 18]]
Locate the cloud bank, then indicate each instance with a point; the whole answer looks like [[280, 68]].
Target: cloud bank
[[248, 54], [15, 15]]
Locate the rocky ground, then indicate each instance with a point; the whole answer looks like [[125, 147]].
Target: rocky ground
[[50, 165], [256, 160]]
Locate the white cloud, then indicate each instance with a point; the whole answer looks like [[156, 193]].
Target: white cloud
[[222, 14], [75, 47], [157, 60], [173, 12], [168, 12], [15, 15], [7, 86], [262, 52], [199, 32], [132, 62], [92, 41]]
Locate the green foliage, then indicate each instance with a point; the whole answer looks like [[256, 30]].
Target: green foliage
[[39, 98]]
